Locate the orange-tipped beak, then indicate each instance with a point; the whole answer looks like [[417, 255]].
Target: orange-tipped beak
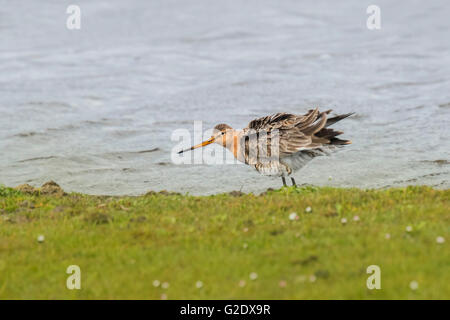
[[204, 143]]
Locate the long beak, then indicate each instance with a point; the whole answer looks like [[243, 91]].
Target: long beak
[[204, 143]]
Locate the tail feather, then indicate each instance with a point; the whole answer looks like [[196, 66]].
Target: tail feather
[[333, 120], [336, 141], [330, 134]]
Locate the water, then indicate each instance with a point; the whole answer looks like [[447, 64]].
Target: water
[[80, 106]]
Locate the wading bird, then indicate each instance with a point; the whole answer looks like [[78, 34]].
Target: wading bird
[[282, 143]]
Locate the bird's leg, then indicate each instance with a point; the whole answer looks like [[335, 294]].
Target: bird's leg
[[284, 181], [293, 182]]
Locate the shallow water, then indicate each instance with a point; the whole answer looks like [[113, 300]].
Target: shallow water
[[80, 106]]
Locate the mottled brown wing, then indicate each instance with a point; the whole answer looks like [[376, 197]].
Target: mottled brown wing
[[295, 132]]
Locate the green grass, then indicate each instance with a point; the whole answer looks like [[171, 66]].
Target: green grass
[[123, 244]]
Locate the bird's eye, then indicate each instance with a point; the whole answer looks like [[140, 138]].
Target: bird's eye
[[223, 133]]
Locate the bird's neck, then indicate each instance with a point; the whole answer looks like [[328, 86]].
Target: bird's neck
[[232, 142]]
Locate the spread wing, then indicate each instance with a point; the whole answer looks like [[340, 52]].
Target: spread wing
[[295, 132]]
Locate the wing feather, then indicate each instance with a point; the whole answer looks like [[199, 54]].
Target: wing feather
[[296, 132]]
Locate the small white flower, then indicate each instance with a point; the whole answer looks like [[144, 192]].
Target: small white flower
[[164, 296], [156, 283], [198, 284], [440, 239], [408, 229], [40, 238], [245, 245], [282, 284], [414, 285], [165, 285], [253, 276], [387, 236], [312, 278], [344, 220], [308, 210], [356, 218], [330, 178], [242, 283], [293, 216]]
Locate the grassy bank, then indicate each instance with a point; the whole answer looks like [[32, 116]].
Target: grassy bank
[[207, 247]]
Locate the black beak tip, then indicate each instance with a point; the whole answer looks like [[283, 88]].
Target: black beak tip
[[180, 151]]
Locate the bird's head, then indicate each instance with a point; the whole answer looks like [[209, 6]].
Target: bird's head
[[221, 133]]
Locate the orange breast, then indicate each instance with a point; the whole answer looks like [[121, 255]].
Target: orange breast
[[235, 145]]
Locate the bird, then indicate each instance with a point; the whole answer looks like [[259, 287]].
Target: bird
[[282, 143]]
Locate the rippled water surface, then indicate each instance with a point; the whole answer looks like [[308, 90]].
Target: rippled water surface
[[94, 109]]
